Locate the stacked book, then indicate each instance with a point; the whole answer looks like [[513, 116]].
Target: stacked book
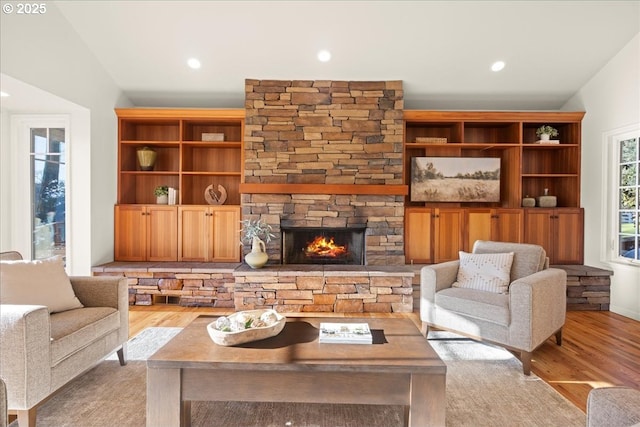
[[345, 333], [173, 196]]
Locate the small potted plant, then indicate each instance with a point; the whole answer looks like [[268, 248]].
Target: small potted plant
[[545, 132], [256, 232], [162, 194]]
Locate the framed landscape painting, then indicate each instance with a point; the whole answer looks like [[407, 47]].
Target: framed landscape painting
[[455, 179]]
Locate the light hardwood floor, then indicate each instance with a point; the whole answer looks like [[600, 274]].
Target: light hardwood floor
[[599, 348]]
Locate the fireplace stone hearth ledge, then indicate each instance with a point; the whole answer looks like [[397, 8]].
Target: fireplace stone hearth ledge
[[285, 288]]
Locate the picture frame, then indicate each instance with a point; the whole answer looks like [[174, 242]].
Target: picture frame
[[455, 179]]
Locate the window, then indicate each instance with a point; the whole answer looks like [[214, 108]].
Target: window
[[48, 179], [627, 206]]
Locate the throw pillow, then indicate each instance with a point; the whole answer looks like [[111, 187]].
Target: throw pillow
[[40, 282], [485, 272]]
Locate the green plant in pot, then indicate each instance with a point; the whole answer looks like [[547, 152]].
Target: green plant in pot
[[257, 232], [545, 132], [162, 194]]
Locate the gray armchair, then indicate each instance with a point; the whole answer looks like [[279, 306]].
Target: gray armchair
[[613, 406], [532, 310], [4, 412], [41, 351]]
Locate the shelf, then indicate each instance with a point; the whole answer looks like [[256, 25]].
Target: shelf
[[233, 173], [491, 132], [450, 130], [150, 173], [220, 158], [209, 144], [193, 130], [194, 185], [149, 130], [183, 160], [533, 146], [568, 132], [151, 143], [550, 175], [463, 145], [525, 168]]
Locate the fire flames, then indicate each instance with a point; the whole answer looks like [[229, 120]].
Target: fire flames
[[321, 247]]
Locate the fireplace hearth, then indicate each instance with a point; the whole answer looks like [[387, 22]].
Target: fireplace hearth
[[323, 245]]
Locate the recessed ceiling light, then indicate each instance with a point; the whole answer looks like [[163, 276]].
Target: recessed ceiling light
[[324, 56], [3, 94], [497, 66], [193, 63]]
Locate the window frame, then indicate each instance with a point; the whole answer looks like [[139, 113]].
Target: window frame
[[612, 209], [21, 125]]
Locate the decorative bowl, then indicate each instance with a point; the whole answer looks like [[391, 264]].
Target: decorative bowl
[[230, 336]]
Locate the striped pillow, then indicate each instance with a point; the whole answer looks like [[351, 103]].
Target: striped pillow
[[485, 272]]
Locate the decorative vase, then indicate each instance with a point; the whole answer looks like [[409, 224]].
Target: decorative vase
[[258, 257], [528, 202], [544, 137], [146, 158], [547, 201], [162, 200]]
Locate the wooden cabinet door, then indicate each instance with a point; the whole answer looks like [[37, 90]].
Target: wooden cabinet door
[[478, 226], [507, 225], [226, 234], [418, 247], [448, 235], [537, 228], [568, 247], [130, 233], [194, 233], [500, 225], [162, 233], [559, 231]]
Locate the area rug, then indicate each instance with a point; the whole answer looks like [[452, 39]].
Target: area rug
[[485, 387]]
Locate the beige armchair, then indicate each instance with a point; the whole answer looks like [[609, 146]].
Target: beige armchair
[[532, 309], [41, 351], [613, 406], [4, 417]]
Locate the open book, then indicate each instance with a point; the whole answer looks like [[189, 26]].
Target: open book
[[345, 333]]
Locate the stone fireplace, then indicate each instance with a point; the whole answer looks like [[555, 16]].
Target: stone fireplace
[[326, 154]]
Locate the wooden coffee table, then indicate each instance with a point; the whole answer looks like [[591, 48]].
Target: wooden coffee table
[[399, 368]]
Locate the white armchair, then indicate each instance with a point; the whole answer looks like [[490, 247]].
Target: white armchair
[[532, 309]]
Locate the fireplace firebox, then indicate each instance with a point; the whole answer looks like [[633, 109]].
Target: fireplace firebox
[[320, 245]]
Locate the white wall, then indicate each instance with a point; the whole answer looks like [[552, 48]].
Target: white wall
[[611, 100], [45, 52]]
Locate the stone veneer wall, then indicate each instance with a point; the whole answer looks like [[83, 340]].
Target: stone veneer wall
[[337, 134], [187, 284], [588, 288]]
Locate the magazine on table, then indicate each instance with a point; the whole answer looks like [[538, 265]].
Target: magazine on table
[[345, 333]]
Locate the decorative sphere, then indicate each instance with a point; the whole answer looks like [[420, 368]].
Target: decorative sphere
[[222, 323], [269, 317]]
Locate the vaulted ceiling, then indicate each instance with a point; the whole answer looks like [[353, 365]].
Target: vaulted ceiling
[[441, 50]]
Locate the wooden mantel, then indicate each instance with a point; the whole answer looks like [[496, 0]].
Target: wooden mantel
[[399, 190]]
